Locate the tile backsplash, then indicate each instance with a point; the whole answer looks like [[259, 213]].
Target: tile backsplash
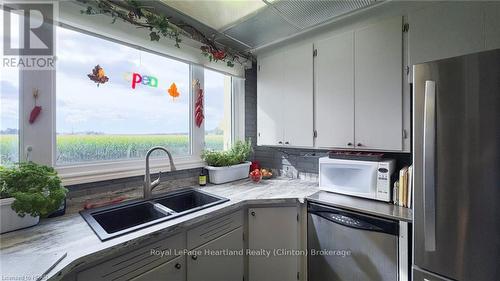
[[130, 188]]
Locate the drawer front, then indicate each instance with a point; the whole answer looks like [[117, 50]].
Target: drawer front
[[213, 229], [135, 263], [171, 271]]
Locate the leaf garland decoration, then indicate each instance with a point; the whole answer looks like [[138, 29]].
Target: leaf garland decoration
[[139, 14]]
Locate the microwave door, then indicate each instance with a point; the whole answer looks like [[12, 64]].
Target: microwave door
[[456, 160], [357, 179]]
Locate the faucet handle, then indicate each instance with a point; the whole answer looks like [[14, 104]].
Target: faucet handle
[[156, 182]]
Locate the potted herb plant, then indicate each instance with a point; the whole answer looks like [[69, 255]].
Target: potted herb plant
[[230, 165], [28, 191]]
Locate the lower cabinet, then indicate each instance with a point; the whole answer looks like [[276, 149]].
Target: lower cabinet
[[218, 260], [172, 271], [216, 252], [144, 261], [273, 235]]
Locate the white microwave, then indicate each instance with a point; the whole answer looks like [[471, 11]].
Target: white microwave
[[366, 179]]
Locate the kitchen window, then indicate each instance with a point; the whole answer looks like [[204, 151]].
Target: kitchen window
[[218, 110], [9, 116], [145, 103], [103, 131]]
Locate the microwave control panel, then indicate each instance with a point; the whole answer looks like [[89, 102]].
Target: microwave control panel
[[384, 172]]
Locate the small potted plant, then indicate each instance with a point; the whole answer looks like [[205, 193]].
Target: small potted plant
[[28, 191], [231, 165]]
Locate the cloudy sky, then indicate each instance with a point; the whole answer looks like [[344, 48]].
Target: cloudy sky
[[115, 107]]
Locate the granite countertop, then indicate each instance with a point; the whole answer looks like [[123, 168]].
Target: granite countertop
[[70, 239]]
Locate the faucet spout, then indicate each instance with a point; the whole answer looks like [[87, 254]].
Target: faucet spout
[[148, 185]]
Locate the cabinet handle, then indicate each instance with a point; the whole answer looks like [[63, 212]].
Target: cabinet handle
[[280, 142], [359, 144], [178, 266], [252, 213], [194, 257], [349, 144], [287, 142]]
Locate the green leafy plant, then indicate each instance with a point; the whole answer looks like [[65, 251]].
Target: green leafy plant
[[37, 189], [239, 153]]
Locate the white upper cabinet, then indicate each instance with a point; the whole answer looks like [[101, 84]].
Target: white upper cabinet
[[378, 104], [269, 100], [297, 103], [359, 88], [334, 97], [446, 29], [357, 79], [285, 98]]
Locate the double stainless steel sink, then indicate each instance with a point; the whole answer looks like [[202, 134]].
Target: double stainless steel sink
[[112, 221]]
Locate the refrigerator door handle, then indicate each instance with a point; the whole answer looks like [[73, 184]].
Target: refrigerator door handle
[[429, 150]]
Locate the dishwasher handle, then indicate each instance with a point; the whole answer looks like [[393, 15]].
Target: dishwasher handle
[[354, 220]]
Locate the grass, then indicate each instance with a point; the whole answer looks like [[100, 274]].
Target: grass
[[8, 149], [86, 148]]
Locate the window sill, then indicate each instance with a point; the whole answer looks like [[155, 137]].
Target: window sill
[[87, 173]]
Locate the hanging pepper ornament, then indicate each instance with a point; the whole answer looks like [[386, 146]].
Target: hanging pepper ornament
[[172, 91], [36, 108], [98, 75], [198, 106]]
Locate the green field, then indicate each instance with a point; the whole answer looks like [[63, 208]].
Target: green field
[[8, 149], [85, 148]]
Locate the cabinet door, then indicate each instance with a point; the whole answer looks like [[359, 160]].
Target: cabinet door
[[378, 79], [297, 96], [214, 265], [136, 262], [269, 100], [334, 80], [173, 270], [269, 229]]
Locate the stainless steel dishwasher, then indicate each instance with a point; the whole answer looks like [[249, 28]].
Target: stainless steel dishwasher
[[349, 246]]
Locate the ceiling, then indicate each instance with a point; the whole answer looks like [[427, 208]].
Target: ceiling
[[247, 25]]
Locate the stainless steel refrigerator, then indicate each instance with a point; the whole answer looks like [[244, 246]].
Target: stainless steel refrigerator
[[456, 157]]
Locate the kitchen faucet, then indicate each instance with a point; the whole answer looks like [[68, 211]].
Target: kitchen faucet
[[148, 185]]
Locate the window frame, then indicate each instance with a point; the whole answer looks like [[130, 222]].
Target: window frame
[[87, 172]]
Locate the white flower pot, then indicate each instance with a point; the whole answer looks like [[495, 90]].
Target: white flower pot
[[10, 220], [218, 175]]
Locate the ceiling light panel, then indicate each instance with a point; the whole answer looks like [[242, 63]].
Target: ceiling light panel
[[304, 14], [217, 14], [265, 26]]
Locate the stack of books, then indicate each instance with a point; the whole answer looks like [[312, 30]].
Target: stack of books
[[403, 188]]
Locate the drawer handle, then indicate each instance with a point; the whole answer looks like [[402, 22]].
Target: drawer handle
[[253, 214], [359, 144], [349, 144], [287, 142], [194, 257], [280, 142], [178, 266]]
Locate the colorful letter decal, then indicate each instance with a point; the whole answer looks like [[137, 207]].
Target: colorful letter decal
[[136, 78]]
